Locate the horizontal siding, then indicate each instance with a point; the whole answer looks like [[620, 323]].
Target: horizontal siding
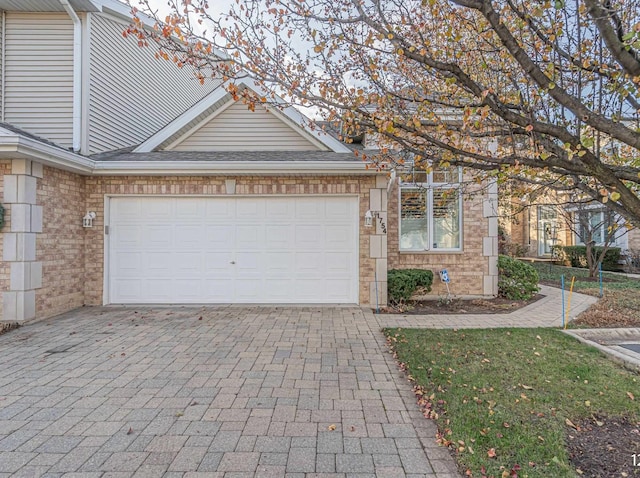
[[39, 74], [239, 129], [132, 94], [2, 81]]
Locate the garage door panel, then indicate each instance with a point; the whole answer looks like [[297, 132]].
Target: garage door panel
[[233, 249], [157, 290], [310, 290], [250, 210], [187, 290], [338, 238], [217, 264], [309, 210], [159, 210], [189, 235], [336, 289], [249, 263], [337, 265], [127, 210], [250, 236], [218, 290], [157, 264], [338, 210], [158, 236], [188, 264], [309, 237], [278, 264], [221, 210], [309, 264], [247, 289], [278, 209], [278, 290], [128, 263], [189, 209], [127, 289], [278, 236], [127, 235], [220, 236]]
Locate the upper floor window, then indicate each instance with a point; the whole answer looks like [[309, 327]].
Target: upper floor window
[[431, 210]]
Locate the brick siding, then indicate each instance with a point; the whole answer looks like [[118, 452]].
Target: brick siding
[[5, 268], [467, 269], [61, 245], [94, 190]]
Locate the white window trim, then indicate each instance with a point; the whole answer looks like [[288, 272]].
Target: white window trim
[[428, 188]]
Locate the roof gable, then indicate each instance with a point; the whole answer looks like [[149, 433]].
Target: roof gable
[[236, 128], [218, 123]]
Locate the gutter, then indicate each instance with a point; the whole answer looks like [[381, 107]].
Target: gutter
[[263, 168], [13, 146], [77, 74]]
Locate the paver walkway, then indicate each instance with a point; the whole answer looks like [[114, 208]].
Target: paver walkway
[[545, 312], [216, 391]]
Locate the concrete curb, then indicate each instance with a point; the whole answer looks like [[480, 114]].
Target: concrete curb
[[629, 360]]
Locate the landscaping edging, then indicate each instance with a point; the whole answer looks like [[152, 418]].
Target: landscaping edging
[[608, 341]]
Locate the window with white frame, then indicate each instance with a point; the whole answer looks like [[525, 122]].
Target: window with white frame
[[595, 225], [431, 210]]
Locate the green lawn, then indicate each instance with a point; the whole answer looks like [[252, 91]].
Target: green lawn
[[510, 392], [550, 274], [620, 306]]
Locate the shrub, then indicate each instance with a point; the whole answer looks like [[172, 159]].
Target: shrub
[[578, 257], [632, 260], [516, 280], [402, 283]]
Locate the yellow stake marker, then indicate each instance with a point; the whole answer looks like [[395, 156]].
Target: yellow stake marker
[[573, 278]]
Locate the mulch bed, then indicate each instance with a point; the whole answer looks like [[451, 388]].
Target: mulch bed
[[497, 305], [604, 447]]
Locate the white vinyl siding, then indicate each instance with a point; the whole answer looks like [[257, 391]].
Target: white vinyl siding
[[132, 94], [1, 72], [39, 75], [239, 129]]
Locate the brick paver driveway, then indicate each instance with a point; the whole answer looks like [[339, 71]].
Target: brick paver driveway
[[215, 391]]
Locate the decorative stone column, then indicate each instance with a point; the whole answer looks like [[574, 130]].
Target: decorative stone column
[[19, 251], [490, 242], [378, 241]]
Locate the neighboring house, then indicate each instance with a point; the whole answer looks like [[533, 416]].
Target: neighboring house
[[188, 196], [535, 229]]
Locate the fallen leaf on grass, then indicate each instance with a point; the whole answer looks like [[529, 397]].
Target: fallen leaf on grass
[[630, 395], [527, 387], [571, 424], [491, 453]]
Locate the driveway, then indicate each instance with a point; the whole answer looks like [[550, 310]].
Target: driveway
[[214, 391]]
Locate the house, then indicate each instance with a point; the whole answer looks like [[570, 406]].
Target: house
[[126, 181], [535, 225]]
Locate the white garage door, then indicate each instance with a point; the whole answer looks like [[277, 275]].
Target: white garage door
[[165, 250]]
